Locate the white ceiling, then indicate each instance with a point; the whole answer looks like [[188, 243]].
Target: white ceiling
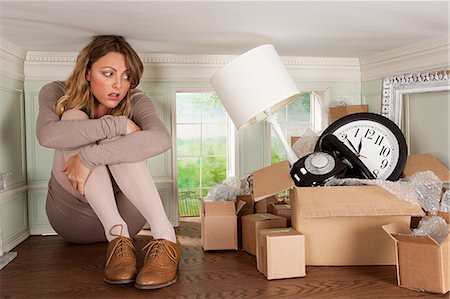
[[295, 28]]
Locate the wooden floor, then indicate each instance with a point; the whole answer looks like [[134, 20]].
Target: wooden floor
[[48, 267]]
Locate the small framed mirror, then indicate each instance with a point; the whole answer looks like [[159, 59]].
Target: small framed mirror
[[419, 104]]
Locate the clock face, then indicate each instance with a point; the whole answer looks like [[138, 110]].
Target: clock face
[[375, 140]]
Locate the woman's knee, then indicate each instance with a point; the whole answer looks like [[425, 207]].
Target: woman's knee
[[74, 114]]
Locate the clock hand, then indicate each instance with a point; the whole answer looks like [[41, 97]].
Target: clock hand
[[353, 147], [359, 149]]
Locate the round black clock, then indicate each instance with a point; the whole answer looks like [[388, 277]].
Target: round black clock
[[376, 141]]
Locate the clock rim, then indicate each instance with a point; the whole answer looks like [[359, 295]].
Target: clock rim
[[390, 125]]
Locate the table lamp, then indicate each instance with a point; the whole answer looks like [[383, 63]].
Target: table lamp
[[253, 86]]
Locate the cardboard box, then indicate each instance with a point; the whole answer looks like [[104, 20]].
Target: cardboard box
[[422, 264], [342, 225], [219, 225], [271, 180], [281, 209], [341, 111], [424, 162], [262, 206], [280, 253], [252, 223]]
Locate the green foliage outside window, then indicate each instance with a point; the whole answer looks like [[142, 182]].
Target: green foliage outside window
[[201, 148]]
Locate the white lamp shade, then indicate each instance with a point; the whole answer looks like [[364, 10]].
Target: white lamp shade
[[254, 85]]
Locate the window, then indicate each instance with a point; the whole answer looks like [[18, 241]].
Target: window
[[202, 140], [294, 120]]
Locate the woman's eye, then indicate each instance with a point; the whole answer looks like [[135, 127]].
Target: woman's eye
[[126, 76], [107, 74]]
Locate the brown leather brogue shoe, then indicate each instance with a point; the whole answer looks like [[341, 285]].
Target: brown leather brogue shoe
[[160, 264], [120, 265]]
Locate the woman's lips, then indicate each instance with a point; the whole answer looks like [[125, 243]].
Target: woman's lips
[[114, 96]]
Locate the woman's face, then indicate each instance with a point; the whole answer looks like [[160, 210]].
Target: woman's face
[[109, 82]]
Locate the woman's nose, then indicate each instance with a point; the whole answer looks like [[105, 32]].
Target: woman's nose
[[117, 82]]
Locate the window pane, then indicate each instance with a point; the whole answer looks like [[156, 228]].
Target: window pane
[[188, 172], [189, 202], [189, 107], [297, 129], [281, 115], [214, 140], [213, 170], [299, 110], [213, 110], [188, 140]]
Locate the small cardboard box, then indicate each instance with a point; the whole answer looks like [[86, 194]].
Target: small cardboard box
[[280, 253], [252, 223], [341, 111], [342, 225], [219, 225], [262, 206], [422, 263], [281, 209]]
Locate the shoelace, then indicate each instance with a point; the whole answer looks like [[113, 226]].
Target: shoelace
[[157, 246], [120, 244]]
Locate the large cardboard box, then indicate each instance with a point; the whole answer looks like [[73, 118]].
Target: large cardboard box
[[252, 223], [423, 162], [219, 225], [422, 263], [280, 253], [342, 225]]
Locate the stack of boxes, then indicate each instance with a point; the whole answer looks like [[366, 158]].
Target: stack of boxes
[[337, 226]]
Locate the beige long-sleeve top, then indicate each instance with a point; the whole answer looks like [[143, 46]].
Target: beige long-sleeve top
[[152, 140]]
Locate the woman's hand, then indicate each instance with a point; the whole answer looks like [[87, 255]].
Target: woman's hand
[[132, 127], [77, 173]]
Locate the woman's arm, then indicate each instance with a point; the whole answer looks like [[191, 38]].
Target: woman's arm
[[71, 134], [152, 140]]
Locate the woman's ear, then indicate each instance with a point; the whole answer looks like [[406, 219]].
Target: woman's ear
[[88, 75]]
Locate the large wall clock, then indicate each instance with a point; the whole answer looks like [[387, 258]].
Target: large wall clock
[[376, 141]]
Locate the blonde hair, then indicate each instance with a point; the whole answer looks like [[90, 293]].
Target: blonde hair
[[79, 95]]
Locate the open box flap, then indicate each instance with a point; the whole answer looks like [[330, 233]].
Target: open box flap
[[402, 233], [424, 162], [219, 208], [271, 180], [344, 201]]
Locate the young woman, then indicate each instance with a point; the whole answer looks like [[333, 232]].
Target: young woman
[[103, 129]]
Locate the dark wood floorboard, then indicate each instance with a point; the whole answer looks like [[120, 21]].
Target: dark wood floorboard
[[48, 267]]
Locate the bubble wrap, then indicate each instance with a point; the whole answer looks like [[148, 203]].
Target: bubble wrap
[[246, 185], [435, 227], [421, 188], [445, 202], [428, 190], [227, 190], [306, 143], [401, 188]]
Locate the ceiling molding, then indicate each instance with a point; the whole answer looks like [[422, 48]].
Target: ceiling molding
[[170, 68], [12, 60], [423, 56]]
